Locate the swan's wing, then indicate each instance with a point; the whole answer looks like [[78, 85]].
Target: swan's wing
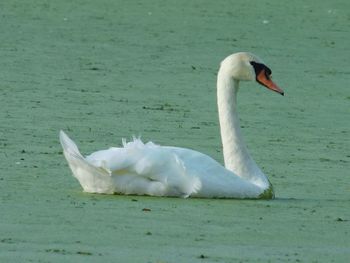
[[136, 168], [146, 169], [197, 161]]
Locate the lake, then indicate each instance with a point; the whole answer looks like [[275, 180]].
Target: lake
[[107, 70]]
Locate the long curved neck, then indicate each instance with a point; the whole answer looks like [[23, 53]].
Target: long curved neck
[[236, 156]]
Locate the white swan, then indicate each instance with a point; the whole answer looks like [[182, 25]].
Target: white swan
[[149, 169]]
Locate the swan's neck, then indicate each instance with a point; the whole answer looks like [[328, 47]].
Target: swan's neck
[[236, 156]]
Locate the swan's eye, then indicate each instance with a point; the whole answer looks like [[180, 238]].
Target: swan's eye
[[268, 71], [258, 67]]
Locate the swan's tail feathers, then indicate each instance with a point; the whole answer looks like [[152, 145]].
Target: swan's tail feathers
[[93, 179]]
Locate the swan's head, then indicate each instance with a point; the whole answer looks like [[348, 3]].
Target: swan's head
[[247, 66]]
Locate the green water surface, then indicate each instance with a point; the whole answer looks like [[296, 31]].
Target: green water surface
[[104, 70]]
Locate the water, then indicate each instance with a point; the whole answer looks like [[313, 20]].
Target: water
[[107, 70]]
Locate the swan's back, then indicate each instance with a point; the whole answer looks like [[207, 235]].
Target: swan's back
[[150, 169]]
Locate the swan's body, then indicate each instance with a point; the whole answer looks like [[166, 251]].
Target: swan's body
[[149, 169]]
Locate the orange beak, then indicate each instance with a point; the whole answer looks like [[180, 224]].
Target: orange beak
[[266, 81]]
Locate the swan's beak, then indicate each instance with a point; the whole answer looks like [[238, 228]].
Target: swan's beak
[[266, 81]]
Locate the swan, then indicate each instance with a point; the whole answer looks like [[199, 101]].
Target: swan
[[139, 168]]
